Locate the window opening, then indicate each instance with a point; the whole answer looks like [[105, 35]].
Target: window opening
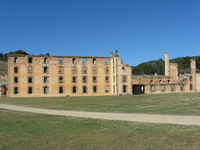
[[123, 68], [30, 60], [182, 87], [16, 59], [45, 90], [16, 70], [107, 70], [73, 79], [94, 79], [94, 61], [30, 79], [73, 60], [61, 90], [45, 69], [124, 79], [191, 87], [61, 79], [16, 80], [84, 59], [45, 60], [84, 89], [124, 88], [107, 79], [74, 89], [106, 61], [16, 90], [30, 90], [84, 79], [94, 89], [45, 79], [60, 59]]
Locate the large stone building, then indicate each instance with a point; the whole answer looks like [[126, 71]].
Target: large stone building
[[45, 76], [39, 76]]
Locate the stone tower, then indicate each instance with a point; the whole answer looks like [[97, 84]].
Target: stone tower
[[193, 73], [166, 64]]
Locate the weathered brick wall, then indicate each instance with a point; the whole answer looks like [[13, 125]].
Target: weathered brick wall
[[43, 76], [198, 82]]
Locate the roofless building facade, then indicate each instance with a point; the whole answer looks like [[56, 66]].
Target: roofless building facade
[[45, 76]]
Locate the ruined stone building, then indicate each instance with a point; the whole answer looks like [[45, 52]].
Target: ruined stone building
[[45, 76], [40, 76], [171, 82], [3, 85]]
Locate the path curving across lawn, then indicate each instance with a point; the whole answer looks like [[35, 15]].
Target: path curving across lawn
[[147, 118]]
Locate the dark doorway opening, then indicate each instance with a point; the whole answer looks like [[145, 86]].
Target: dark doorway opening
[[138, 89]]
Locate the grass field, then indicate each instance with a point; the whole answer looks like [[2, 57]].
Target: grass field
[[23, 131], [175, 104]]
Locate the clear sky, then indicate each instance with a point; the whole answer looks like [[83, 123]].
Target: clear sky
[[141, 30]]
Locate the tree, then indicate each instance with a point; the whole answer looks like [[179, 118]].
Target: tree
[[20, 52], [1, 56], [150, 68], [4, 57], [143, 68]]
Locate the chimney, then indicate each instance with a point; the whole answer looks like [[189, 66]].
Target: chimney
[[166, 64], [193, 73]]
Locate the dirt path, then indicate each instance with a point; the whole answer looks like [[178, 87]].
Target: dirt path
[[169, 119]]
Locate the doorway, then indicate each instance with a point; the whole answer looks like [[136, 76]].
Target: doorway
[[138, 89]]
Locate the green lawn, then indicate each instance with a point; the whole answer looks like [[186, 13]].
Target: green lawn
[[186, 104], [23, 131]]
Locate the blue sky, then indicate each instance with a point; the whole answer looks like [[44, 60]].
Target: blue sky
[[141, 30]]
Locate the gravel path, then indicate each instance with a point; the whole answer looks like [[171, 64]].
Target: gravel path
[[164, 119]]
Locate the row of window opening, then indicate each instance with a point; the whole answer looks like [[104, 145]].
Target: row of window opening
[[74, 60], [61, 79], [46, 90], [61, 70], [162, 88], [74, 79]]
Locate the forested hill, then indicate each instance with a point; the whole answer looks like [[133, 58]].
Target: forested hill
[[158, 66]]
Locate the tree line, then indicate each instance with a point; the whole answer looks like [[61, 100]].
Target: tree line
[[4, 57]]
